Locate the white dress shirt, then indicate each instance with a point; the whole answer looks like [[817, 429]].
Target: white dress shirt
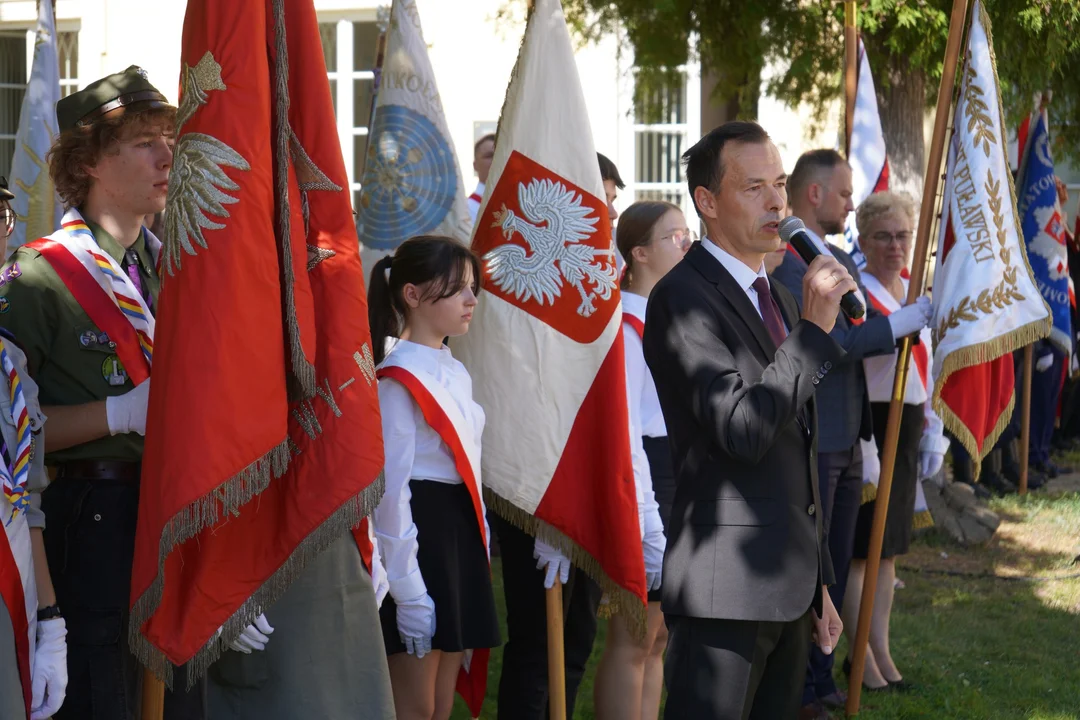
[[474, 205], [646, 418], [743, 275], [414, 451]]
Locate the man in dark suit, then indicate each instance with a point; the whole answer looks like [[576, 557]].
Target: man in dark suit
[[819, 192], [736, 369]]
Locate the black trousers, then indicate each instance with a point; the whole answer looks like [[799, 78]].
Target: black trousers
[[731, 669], [840, 485], [523, 687], [90, 545]]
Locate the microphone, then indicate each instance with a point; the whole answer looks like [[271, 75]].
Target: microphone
[[793, 231]]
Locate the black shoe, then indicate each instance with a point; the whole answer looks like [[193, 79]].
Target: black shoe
[[834, 700], [1048, 469], [980, 491], [997, 483], [887, 687], [902, 685]]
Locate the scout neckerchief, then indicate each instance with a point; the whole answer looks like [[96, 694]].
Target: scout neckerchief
[[445, 418], [14, 477], [16, 579], [103, 290]]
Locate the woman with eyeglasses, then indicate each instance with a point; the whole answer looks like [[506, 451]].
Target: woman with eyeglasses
[[885, 221], [33, 634], [652, 237]]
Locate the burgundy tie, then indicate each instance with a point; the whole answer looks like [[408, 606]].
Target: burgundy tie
[[131, 263], [770, 311]]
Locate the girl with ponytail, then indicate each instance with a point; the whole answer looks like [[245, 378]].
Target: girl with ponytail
[[430, 524]]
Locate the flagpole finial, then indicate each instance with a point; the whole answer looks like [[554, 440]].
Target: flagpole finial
[[382, 18]]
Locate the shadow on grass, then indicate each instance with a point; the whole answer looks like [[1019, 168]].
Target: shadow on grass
[[977, 647]]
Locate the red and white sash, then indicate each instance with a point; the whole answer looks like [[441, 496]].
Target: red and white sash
[[444, 416], [103, 290], [884, 302], [636, 323], [19, 591]]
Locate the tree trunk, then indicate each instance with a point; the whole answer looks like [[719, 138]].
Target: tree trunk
[[901, 92]]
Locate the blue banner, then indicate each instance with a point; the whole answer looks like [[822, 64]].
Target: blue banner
[[1044, 229]]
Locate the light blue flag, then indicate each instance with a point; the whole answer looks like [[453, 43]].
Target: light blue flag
[[36, 203]]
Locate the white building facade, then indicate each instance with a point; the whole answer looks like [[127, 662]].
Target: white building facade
[[472, 50]]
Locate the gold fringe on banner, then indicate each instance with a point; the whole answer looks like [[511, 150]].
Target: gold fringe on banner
[[976, 355], [620, 601], [922, 520], [181, 529], [869, 492]]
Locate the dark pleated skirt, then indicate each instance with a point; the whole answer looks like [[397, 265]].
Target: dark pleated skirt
[[898, 527], [454, 564], [662, 469]]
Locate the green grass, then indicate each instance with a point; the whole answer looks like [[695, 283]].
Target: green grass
[[978, 648]]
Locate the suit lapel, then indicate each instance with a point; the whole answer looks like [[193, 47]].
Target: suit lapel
[[714, 272]]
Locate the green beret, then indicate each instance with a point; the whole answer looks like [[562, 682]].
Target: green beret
[[107, 94]]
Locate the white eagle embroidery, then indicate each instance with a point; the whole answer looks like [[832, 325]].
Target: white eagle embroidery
[[554, 225]]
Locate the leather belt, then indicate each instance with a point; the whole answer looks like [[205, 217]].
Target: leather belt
[[99, 470]]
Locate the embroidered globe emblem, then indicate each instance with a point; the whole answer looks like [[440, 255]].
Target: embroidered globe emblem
[[410, 180]]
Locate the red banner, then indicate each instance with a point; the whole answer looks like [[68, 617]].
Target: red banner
[[263, 437]]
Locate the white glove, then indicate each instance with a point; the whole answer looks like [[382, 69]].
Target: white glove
[[932, 449], [254, 636], [378, 573], [910, 319], [553, 561], [127, 413], [50, 677], [416, 624], [654, 544], [1043, 364], [930, 463]]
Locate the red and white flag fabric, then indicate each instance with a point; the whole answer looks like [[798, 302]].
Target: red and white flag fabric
[[986, 303], [866, 154], [545, 349]]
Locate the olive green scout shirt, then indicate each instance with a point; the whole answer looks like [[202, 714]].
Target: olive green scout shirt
[[70, 358]]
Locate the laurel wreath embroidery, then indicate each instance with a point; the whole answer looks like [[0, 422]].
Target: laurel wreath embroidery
[[990, 300], [979, 122]]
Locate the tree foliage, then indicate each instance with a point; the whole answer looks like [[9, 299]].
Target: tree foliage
[[1037, 43]]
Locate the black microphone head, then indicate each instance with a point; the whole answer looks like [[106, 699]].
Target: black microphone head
[[789, 226]]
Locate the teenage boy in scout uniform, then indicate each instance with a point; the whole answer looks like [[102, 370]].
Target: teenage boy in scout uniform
[[81, 303]]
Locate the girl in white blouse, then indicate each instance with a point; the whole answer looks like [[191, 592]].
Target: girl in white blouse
[[430, 524], [652, 237]]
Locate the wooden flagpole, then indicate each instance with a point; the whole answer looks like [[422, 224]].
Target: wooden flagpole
[[153, 696], [383, 23], [556, 653], [851, 70], [1025, 418], [915, 289], [1025, 387]]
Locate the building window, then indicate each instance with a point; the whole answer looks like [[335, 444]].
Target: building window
[[663, 129], [67, 48], [16, 59], [12, 88], [349, 52]]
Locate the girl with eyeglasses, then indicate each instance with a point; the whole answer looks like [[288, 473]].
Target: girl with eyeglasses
[[652, 237]]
